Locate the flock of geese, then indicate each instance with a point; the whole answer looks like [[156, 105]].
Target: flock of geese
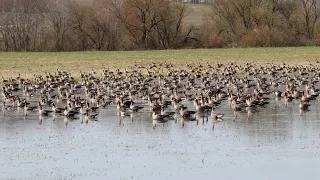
[[188, 93]]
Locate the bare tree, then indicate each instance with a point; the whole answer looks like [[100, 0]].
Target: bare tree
[[58, 18], [97, 25], [311, 12], [224, 16], [21, 22], [287, 9], [170, 30], [139, 17]]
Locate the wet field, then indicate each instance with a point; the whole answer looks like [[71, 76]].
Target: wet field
[[276, 143], [270, 128]]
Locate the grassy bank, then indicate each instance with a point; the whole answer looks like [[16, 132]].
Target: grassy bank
[[12, 63]]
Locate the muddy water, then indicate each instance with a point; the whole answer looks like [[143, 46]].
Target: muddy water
[[276, 143]]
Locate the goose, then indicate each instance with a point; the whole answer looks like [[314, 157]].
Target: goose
[[215, 115], [29, 108], [201, 108], [236, 106], [278, 93], [122, 110], [287, 97], [92, 108], [5, 106], [88, 115], [21, 103], [127, 104], [74, 110], [56, 109], [103, 103], [166, 113], [303, 106], [43, 112], [186, 114], [68, 113], [158, 117], [134, 107]]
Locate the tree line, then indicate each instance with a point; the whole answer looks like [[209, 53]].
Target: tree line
[[67, 25], [261, 23]]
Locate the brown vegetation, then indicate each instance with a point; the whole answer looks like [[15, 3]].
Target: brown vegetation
[[258, 23], [68, 25]]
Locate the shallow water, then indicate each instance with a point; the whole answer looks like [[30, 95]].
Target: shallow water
[[276, 143]]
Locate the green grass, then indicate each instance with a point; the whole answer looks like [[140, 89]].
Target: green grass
[[26, 63]]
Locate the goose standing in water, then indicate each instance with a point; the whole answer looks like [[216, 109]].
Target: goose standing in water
[[215, 115], [158, 117], [169, 88], [43, 112], [69, 113], [168, 114], [29, 108], [236, 107], [56, 109], [89, 116], [186, 114], [134, 107], [122, 110]]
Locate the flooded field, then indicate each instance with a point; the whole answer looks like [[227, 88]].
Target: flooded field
[[126, 125], [277, 143]]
